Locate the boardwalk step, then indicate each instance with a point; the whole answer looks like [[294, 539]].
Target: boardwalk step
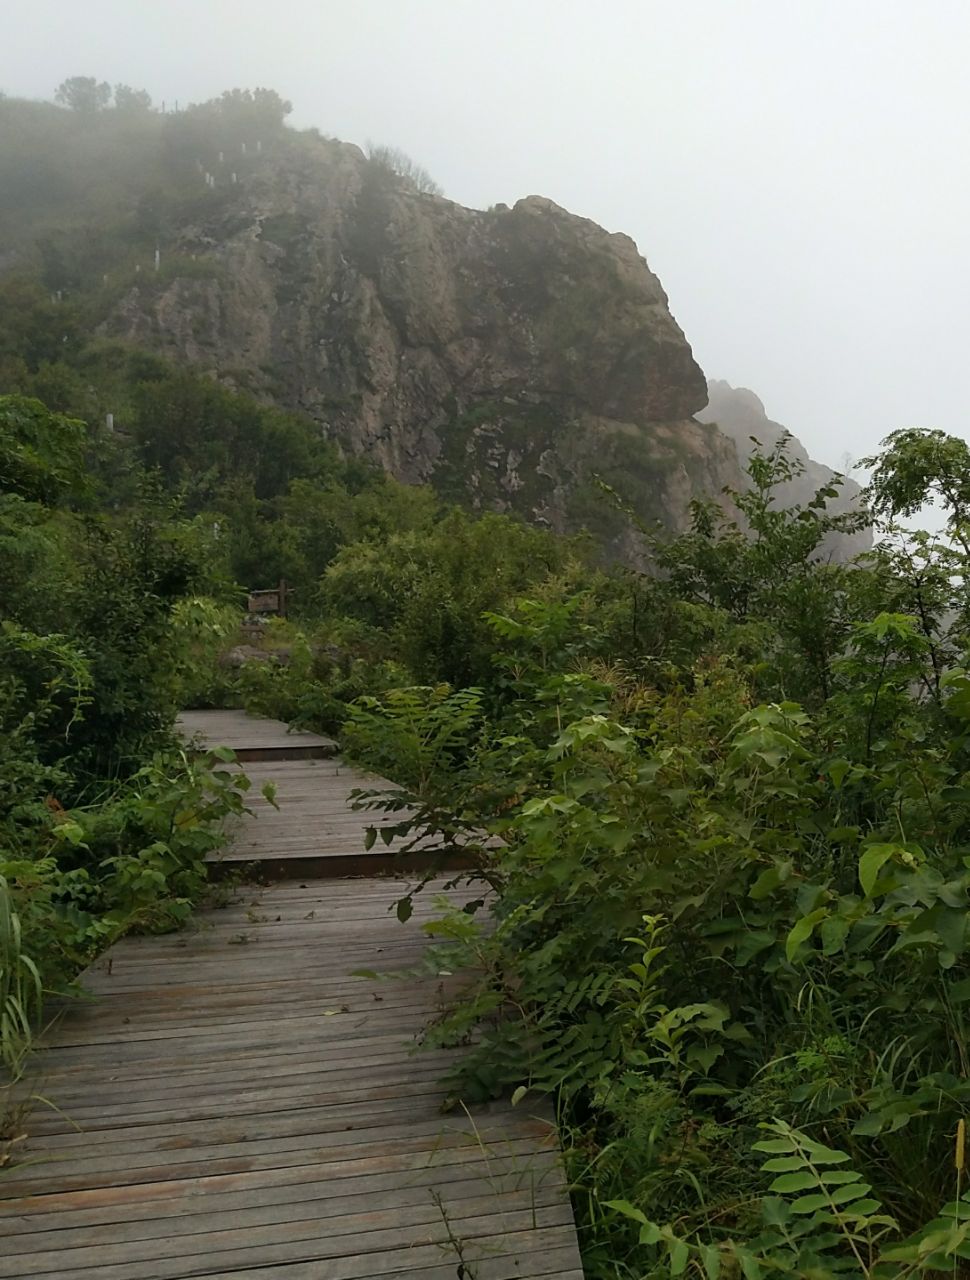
[[253, 737], [312, 828], [271, 1117]]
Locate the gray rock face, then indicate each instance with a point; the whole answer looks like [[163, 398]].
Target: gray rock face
[[508, 357], [740, 415]]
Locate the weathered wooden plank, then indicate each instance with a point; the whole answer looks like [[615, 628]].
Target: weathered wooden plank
[[321, 1203], [513, 1256], [88, 1098], [328, 1123], [243, 732], [378, 1085], [253, 1060], [372, 1021], [288, 1241], [247, 1107], [145, 1195], [128, 1165], [312, 828], [180, 1044]]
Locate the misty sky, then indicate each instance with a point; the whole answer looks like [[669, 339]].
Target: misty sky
[[797, 172]]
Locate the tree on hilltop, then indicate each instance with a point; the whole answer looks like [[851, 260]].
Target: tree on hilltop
[[129, 99], [83, 94], [398, 162]]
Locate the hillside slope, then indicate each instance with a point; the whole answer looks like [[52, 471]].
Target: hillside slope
[[502, 356], [511, 358]]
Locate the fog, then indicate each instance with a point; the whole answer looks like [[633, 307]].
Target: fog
[[796, 173]]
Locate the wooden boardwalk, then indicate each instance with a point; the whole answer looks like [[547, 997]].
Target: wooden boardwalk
[[314, 831], [234, 1104], [253, 737]]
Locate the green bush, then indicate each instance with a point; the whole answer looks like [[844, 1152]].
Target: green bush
[[725, 925]]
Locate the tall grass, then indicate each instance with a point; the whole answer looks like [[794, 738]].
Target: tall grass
[[20, 988]]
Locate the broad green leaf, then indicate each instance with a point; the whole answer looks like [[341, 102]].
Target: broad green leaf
[[628, 1210], [837, 771], [404, 909], [802, 930], [774, 1210], [823, 1155], [679, 1254], [704, 1056], [788, 1182], [809, 1204], [869, 1125], [711, 1260], [871, 863], [845, 1194], [769, 880], [783, 1164], [750, 1267], [864, 1208], [750, 944], [832, 933]]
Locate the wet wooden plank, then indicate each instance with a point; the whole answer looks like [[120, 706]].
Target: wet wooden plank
[[313, 822], [251, 737], [255, 1110], [311, 826]]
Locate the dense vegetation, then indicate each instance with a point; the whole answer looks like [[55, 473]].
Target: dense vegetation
[[104, 819], [727, 802], [729, 928]]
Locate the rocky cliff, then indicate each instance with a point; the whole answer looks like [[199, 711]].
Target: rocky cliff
[[511, 358], [741, 416], [507, 357]]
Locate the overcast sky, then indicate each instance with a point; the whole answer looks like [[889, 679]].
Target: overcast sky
[[797, 172]]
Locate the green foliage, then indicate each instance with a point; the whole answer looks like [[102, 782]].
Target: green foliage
[[129, 99], [41, 454], [919, 466], [310, 683], [83, 94], [398, 163], [21, 989], [421, 594], [723, 809], [718, 912], [415, 733], [766, 567], [104, 822]]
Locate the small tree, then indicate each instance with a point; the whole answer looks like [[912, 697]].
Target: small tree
[[83, 94], [400, 163], [918, 466], [252, 109], [129, 99]]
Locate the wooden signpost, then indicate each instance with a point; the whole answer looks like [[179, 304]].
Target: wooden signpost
[[273, 600]]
